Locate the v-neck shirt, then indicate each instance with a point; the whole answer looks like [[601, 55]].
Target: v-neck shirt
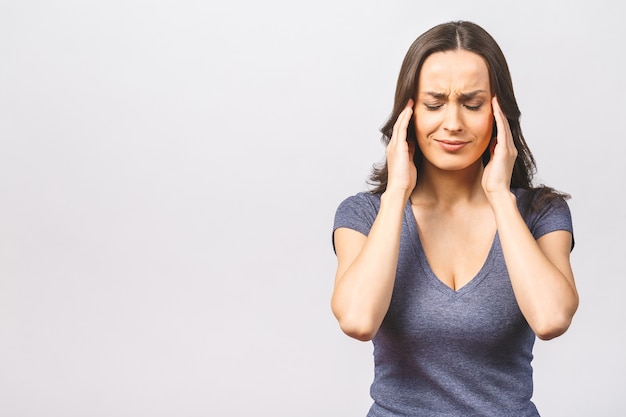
[[447, 352]]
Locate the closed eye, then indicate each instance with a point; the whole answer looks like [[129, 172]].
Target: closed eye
[[473, 108], [432, 107]]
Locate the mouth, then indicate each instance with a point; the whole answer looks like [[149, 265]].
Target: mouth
[[451, 145]]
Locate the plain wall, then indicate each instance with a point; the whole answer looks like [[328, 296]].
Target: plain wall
[[169, 172]]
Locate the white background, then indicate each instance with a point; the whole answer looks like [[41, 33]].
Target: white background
[[169, 172]]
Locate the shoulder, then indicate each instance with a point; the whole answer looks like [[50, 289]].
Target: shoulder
[[537, 202], [358, 211], [365, 200]]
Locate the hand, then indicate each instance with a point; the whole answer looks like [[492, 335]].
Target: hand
[[402, 173], [498, 172]]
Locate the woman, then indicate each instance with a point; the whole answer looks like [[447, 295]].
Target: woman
[[455, 261]]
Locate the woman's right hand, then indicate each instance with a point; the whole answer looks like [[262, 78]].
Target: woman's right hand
[[402, 173], [366, 265]]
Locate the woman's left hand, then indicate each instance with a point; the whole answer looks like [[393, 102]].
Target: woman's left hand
[[497, 173]]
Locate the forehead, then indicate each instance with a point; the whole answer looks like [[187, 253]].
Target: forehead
[[454, 71]]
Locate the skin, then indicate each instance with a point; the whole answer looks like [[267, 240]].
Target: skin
[[458, 205]]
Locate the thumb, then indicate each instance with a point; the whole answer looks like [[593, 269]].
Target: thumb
[[411, 149], [492, 146]]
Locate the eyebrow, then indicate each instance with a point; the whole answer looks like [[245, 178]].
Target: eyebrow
[[462, 96]]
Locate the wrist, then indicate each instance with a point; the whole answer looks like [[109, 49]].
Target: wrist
[[396, 194], [502, 199]]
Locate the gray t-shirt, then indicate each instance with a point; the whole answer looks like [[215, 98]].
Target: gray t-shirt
[[441, 352]]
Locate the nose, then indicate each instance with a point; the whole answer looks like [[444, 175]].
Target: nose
[[452, 121]]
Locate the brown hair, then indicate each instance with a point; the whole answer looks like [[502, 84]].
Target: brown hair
[[470, 37]]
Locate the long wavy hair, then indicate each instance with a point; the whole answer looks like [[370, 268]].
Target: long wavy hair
[[473, 38]]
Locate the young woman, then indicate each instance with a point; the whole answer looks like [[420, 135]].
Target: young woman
[[455, 261]]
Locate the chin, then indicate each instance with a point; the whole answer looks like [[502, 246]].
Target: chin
[[455, 163]]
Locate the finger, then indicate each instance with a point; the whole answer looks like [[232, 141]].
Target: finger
[[502, 123], [497, 115], [402, 123], [504, 138]]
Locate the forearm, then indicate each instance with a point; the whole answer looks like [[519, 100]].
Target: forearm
[[546, 294], [363, 288]]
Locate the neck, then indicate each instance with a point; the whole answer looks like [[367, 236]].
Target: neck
[[448, 188]]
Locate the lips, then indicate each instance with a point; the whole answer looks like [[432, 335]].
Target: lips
[[451, 145]]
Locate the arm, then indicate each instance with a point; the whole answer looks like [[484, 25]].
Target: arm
[[366, 265], [540, 270]]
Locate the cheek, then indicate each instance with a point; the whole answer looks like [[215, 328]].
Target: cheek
[[484, 127], [425, 124]]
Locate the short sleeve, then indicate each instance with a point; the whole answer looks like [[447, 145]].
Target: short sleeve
[[357, 212], [555, 215]]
